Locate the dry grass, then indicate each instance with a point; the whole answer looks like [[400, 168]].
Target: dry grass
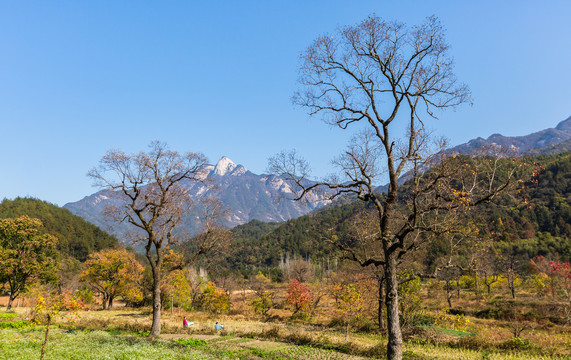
[[244, 329]]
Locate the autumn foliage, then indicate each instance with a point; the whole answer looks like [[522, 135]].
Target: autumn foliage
[[298, 295], [114, 273]]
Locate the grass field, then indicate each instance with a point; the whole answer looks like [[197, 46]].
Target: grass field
[[120, 334]]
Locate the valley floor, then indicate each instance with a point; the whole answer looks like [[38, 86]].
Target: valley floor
[[119, 334]]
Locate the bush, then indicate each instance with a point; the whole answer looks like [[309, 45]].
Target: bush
[[14, 324], [411, 310], [492, 313], [85, 295], [271, 333], [457, 322], [263, 304], [517, 343], [214, 299]]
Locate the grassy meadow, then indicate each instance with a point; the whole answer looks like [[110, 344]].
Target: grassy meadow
[[121, 333]]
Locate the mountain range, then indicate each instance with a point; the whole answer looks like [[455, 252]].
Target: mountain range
[[265, 197], [248, 196], [543, 139]]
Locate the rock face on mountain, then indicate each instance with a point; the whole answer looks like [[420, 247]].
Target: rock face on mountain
[[521, 144], [247, 195]]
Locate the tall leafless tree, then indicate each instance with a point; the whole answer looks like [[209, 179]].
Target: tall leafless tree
[[154, 200], [385, 77]]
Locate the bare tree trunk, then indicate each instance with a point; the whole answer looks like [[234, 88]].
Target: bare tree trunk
[[110, 303], [449, 293], [394, 346], [10, 301], [380, 318], [104, 302], [156, 327], [511, 283], [46, 337], [476, 285]]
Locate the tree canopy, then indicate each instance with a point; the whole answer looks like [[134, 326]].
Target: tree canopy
[[26, 254]]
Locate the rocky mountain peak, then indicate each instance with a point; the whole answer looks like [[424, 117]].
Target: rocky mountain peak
[[224, 166]]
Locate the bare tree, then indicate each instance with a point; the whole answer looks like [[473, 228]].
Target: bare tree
[[154, 200], [388, 76], [301, 270]]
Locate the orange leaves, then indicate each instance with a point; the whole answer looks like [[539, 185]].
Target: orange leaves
[[51, 304], [114, 272]]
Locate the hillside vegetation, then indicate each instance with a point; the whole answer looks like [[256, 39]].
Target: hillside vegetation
[[77, 238], [537, 220]]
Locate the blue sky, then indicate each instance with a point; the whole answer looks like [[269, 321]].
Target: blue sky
[[78, 78]]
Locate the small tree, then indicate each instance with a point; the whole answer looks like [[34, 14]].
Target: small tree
[[26, 255], [350, 304], [301, 270], [299, 295], [49, 305], [214, 299], [557, 275], [264, 298], [176, 287], [151, 196], [113, 273]]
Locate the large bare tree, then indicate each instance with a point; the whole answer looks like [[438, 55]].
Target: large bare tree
[[387, 79], [154, 200]]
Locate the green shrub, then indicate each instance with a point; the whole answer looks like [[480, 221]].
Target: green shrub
[[85, 294], [192, 343], [517, 343], [14, 324]]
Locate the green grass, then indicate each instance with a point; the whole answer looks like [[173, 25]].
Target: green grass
[[450, 332], [192, 343], [8, 315], [15, 345], [25, 343], [18, 324]]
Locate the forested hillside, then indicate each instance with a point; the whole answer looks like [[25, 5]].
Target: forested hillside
[[264, 245], [77, 237], [535, 221], [542, 218]]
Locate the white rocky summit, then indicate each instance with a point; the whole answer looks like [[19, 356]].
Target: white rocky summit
[[224, 166]]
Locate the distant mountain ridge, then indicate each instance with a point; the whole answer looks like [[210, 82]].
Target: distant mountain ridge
[[248, 196], [264, 197], [521, 144]]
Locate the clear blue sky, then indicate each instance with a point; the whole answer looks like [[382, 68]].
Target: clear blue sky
[[78, 78]]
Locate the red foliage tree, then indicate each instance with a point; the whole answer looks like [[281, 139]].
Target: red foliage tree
[[299, 295]]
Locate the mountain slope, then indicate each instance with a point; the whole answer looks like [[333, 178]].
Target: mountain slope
[[248, 196], [538, 220], [521, 144]]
